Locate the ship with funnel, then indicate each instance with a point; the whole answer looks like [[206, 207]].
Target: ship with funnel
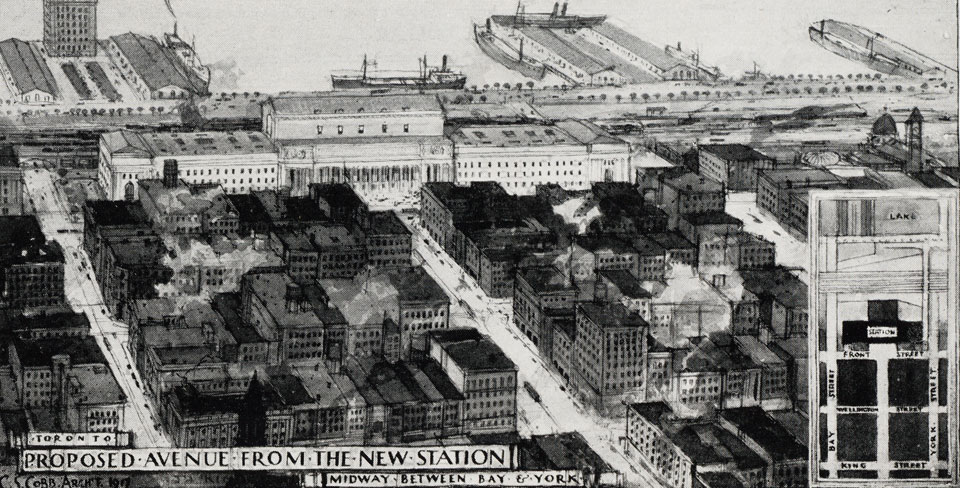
[[428, 78]]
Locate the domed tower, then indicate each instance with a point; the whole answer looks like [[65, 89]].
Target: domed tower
[[70, 27], [884, 130]]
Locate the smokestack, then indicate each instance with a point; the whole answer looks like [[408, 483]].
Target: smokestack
[[563, 11], [170, 173], [678, 46], [556, 7], [444, 64], [293, 297]]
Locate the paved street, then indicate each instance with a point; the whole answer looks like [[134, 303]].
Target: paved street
[[791, 252], [83, 294], [558, 411]]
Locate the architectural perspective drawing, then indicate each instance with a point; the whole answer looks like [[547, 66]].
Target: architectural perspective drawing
[[664, 244]]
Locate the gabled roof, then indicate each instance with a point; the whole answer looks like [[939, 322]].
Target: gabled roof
[[157, 65], [643, 49], [28, 68]]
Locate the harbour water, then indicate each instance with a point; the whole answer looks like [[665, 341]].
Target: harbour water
[[295, 44]]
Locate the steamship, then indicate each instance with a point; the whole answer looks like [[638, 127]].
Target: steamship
[[428, 78]]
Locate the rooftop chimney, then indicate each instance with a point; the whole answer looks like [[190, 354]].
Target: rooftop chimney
[[171, 174], [556, 6], [563, 11], [293, 297], [443, 67]]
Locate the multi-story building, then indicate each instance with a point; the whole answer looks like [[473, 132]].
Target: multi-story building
[[740, 250], [70, 27], [784, 455], [443, 205], [11, 181], [736, 166], [175, 207], [688, 192], [591, 253], [409, 298], [490, 252], [31, 268], [69, 380], [609, 354], [782, 299], [774, 377], [296, 317], [388, 242], [240, 162], [678, 249], [341, 203], [690, 453], [132, 271], [617, 285], [699, 226], [536, 290], [416, 401], [483, 374], [647, 440], [377, 143], [106, 220], [571, 154], [776, 187]]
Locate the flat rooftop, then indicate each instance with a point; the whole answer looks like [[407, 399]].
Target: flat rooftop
[[342, 103]]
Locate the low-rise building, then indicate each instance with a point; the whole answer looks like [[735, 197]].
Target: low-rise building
[[483, 374], [239, 162], [570, 153]]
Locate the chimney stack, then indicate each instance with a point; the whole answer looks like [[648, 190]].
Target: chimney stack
[[171, 174], [293, 297], [444, 65], [563, 11], [556, 6]]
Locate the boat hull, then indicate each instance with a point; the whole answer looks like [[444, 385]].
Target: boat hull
[[873, 50], [489, 47], [346, 83]]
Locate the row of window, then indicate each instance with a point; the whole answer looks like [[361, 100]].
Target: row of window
[[361, 129]]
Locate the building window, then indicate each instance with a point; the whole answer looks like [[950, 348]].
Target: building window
[[340, 129], [319, 130], [360, 129], [406, 128], [383, 128]]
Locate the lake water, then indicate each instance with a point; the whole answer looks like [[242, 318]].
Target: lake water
[[295, 44]]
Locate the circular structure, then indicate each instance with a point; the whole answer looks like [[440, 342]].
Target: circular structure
[[821, 158]]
